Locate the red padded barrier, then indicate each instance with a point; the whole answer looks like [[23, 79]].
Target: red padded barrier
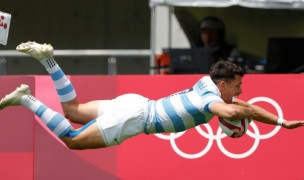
[[17, 134]]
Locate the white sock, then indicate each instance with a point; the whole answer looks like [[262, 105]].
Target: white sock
[[57, 123], [64, 87]]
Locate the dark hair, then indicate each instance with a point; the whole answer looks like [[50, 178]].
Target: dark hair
[[225, 70]]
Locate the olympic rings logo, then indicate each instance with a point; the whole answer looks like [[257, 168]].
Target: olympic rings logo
[[219, 136]]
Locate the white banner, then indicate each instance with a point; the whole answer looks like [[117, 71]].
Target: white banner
[[5, 20]]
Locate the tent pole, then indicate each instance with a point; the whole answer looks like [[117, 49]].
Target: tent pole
[[171, 9], [152, 38]]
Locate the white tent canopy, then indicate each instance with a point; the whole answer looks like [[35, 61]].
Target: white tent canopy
[[273, 4]]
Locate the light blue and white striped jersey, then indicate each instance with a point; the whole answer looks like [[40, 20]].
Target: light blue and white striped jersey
[[183, 110]]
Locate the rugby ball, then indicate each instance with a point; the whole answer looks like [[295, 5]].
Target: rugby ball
[[234, 128]]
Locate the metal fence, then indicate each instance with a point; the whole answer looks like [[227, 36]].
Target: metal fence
[[113, 56]]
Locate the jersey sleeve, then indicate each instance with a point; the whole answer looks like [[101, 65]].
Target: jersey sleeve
[[208, 99]]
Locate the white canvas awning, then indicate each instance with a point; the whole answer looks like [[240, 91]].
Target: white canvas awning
[[270, 4]]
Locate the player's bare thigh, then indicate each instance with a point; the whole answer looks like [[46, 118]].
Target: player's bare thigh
[[80, 113], [90, 138]]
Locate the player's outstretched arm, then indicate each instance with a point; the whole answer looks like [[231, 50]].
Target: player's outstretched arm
[[230, 111], [264, 116]]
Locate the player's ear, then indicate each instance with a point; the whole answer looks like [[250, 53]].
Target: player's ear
[[222, 85]]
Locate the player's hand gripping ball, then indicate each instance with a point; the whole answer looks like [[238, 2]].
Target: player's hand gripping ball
[[234, 128]]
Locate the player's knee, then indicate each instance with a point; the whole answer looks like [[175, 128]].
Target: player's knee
[[70, 111]]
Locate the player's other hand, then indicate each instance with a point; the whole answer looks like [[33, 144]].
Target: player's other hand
[[293, 124]]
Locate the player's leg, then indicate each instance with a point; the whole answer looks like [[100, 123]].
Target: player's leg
[[87, 137], [73, 110]]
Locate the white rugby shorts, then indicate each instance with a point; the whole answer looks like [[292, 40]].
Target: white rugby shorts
[[122, 117]]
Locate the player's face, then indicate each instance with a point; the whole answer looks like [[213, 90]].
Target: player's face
[[231, 89]]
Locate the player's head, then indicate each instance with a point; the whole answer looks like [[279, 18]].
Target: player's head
[[228, 78], [225, 70], [212, 31]]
